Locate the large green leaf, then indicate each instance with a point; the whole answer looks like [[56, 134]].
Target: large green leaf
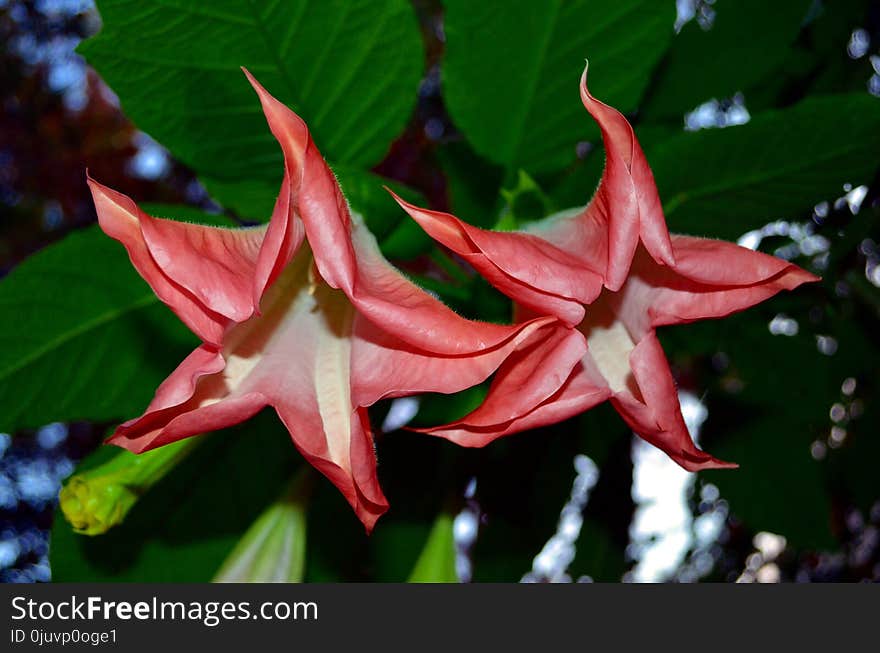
[[85, 337], [350, 68], [724, 182], [186, 525], [512, 70], [703, 64]]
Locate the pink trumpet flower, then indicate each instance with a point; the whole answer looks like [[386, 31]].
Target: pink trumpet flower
[[613, 273], [304, 315]]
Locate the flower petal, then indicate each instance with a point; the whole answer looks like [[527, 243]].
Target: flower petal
[[348, 258], [353, 473], [194, 399], [624, 210], [523, 266], [627, 177], [652, 408], [407, 312], [382, 366], [314, 193], [284, 236], [713, 278], [578, 393], [205, 274]]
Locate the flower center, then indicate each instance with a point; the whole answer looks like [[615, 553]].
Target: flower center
[[610, 344]]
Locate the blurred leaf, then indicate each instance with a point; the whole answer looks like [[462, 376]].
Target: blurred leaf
[[436, 408], [724, 182], [473, 184], [89, 339], [778, 487], [748, 38], [777, 408], [273, 549], [436, 562], [597, 555], [512, 69], [184, 527], [350, 68], [818, 61], [419, 473], [250, 199]]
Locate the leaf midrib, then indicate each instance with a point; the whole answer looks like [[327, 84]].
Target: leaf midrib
[[68, 336]]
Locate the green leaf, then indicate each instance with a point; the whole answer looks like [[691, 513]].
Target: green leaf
[[512, 71], [436, 562], [186, 525], [350, 68], [724, 182], [778, 487], [90, 340], [473, 184], [717, 63], [818, 62]]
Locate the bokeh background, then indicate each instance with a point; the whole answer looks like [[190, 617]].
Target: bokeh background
[[788, 389]]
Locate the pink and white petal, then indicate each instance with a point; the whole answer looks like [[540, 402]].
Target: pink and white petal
[[529, 377], [580, 392], [284, 236], [402, 309], [195, 398], [121, 219], [713, 278], [315, 194], [524, 260], [350, 464], [653, 411], [150, 432], [383, 367], [216, 265], [539, 303], [627, 193]]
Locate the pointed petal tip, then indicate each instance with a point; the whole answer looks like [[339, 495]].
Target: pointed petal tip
[[803, 276], [118, 439], [397, 198], [370, 515], [259, 88], [703, 462]]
